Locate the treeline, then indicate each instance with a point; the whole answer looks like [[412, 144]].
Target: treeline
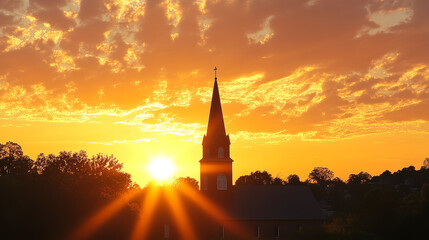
[[388, 206], [48, 197]]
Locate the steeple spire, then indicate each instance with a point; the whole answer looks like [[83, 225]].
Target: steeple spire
[[216, 126], [216, 164]]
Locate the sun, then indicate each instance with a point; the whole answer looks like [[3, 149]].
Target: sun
[[161, 168]]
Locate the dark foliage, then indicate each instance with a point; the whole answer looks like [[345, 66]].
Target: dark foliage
[[388, 206], [13, 162], [426, 163], [359, 178], [49, 197], [321, 175], [191, 182], [259, 178], [293, 179]]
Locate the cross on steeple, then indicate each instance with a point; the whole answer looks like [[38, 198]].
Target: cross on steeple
[[215, 69]]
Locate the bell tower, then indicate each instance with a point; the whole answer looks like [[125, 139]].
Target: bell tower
[[216, 164]]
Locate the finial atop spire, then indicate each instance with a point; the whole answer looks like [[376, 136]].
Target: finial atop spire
[[215, 69]]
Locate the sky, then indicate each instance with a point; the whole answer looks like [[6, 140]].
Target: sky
[[303, 83]]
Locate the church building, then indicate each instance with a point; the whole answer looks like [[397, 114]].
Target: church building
[[263, 212], [220, 210]]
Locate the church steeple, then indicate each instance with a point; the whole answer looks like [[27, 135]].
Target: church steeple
[[216, 164], [216, 137]]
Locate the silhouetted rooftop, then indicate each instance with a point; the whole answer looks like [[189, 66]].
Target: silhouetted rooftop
[[275, 203]]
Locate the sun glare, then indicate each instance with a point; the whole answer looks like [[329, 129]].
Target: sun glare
[[161, 168]]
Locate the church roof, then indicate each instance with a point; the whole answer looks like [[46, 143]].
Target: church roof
[[216, 125], [275, 203]]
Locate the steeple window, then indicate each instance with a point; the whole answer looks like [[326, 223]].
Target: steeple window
[[221, 182]]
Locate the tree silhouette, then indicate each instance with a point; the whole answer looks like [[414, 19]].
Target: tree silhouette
[[259, 178], [13, 161], [321, 175], [278, 181], [336, 181], [426, 163], [359, 178], [101, 172], [191, 182], [293, 179]]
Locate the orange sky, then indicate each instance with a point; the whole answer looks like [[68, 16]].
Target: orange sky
[[339, 84]]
